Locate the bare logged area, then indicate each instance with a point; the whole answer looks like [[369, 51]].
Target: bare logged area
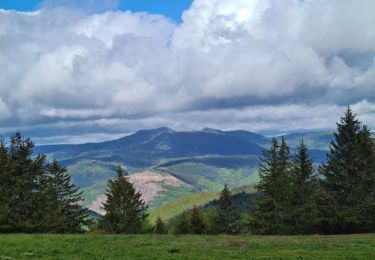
[[149, 183]]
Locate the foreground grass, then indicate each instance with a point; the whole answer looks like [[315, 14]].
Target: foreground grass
[[95, 246]]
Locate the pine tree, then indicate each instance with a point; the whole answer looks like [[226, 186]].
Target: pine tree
[[196, 221], [271, 214], [125, 209], [227, 219], [304, 189], [65, 213], [160, 226], [349, 180], [26, 176]]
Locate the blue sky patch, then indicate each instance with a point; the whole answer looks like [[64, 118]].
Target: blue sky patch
[[170, 8]]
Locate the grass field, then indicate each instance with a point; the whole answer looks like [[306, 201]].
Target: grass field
[[96, 246]]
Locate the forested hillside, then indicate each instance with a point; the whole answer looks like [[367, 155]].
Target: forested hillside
[[203, 160]]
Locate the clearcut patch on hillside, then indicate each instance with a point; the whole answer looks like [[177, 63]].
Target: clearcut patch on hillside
[[151, 184]]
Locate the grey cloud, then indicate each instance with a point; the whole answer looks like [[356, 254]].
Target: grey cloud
[[99, 73]]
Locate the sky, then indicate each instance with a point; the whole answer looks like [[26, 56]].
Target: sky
[[170, 8], [89, 70]]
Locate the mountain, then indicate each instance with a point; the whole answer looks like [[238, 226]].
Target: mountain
[[314, 140], [202, 161], [118, 145]]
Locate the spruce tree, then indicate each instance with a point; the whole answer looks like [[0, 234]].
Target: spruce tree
[[126, 212], [160, 226], [227, 218], [65, 213], [26, 177], [196, 221], [271, 212], [35, 196], [349, 180], [304, 190]]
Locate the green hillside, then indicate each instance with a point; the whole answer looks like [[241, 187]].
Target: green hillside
[[206, 159], [314, 140], [176, 207], [209, 174]]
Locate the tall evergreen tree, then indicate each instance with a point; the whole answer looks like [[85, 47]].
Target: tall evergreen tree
[[26, 176], [270, 214], [126, 212], [349, 179], [65, 213], [28, 191], [304, 190], [227, 219], [196, 221]]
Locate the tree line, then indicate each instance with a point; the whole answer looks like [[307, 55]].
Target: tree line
[[36, 196], [298, 197], [337, 198], [294, 196]]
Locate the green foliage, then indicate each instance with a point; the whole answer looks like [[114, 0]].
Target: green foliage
[[177, 207], [204, 177], [125, 210], [182, 225], [197, 223], [270, 215], [348, 196], [89, 172], [227, 218], [304, 188], [168, 194], [293, 202], [244, 189], [64, 212], [36, 196], [92, 192], [160, 226]]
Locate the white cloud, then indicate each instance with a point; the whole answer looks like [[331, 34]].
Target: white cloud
[[227, 61]]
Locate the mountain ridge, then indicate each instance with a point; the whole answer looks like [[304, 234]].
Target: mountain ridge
[[204, 159]]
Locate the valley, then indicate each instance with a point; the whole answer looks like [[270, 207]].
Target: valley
[[172, 166]]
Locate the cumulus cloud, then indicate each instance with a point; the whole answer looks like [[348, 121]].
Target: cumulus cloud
[[250, 64]]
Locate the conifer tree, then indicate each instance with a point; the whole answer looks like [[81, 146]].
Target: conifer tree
[[196, 221], [26, 176], [65, 213], [28, 192], [160, 226], [227, 219], [126, 212], [349, 179], [270, 214], [304, 189]]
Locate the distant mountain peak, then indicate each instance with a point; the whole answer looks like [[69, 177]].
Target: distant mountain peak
[[157, 130], [211, 130]]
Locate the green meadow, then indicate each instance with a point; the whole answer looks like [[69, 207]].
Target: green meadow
[[100, 246]]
